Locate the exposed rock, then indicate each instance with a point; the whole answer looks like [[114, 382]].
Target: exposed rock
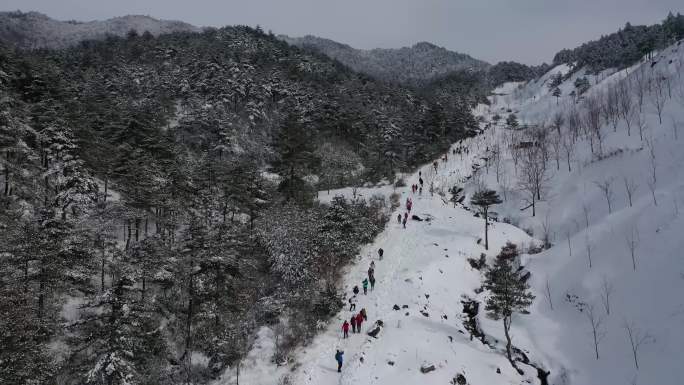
[[427, 368], [396, 307]]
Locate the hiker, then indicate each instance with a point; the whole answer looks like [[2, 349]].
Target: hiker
[[420, 174], [372, 282], [363, 314], [345, 329], [371, 271], [435, 164], [399, 218], [338, 358], [421, 182], [403, 223], [381, 251], [352, 303], [356, 290], [359, 321], [353, 323], [365, 286], [421, 190]]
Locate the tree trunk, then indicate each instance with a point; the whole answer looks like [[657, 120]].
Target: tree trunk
[[7, 177], [507, 326], [102, 272], [486, 232], [128, 239], [41, 294]]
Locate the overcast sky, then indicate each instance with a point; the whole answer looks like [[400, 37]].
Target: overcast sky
[[529, 31]]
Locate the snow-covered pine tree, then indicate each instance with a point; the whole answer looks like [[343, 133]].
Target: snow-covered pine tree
[[508, 292]]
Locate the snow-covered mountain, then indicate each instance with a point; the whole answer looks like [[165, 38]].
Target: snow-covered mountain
[[409, 65], [608, 283], [35, 30]]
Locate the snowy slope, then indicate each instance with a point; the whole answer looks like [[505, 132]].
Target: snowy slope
[[425, 264], [424, 268], [648, 298]]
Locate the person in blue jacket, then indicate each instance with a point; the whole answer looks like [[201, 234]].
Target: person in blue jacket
[[338, 358]]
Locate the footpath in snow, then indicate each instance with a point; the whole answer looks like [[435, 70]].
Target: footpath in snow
[[425, 273]]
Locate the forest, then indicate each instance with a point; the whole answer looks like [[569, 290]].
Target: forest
[[158, 198]]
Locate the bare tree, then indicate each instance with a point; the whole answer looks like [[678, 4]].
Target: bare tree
[[597, 326], [505, 185], [637, 338], [569, 149], [606, 292], [632, 241], [588, 247], [547, 236], [652, 186], [675, 127], [658, 97], [498, 162], [534, 176], [592, 122], [585, 211], [641, 125], [558, 121], [574, 122], [606, 188], [547, 294], [626, 104], [556, 146], [630, 187], [650, 144], [640, 86], [611, 106]]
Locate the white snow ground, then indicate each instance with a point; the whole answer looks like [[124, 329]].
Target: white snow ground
[[557, 339]]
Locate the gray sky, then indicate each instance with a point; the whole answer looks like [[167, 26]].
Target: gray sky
[[529, 31]]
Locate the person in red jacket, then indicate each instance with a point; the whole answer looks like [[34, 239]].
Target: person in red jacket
[[345, 329], [359, 321]]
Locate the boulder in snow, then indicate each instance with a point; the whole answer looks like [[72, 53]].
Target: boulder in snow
[[427, 368]]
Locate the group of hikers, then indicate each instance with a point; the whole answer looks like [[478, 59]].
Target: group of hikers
[[357, 319]]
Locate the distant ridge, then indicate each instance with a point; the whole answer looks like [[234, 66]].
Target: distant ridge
[[33, 30], [415, 65]]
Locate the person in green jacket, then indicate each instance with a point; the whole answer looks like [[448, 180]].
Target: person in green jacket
[[365, 286]]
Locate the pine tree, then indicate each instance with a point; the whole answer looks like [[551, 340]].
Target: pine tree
[[508, 292], [512, 121], [297, 157], [483, 199], [557, 93], [117, 337], [456, 195]]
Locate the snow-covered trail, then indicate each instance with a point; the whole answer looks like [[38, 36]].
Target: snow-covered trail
[[424, 268]]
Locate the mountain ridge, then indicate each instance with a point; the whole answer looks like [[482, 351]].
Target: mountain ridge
[[35, 30], [414, 65]]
